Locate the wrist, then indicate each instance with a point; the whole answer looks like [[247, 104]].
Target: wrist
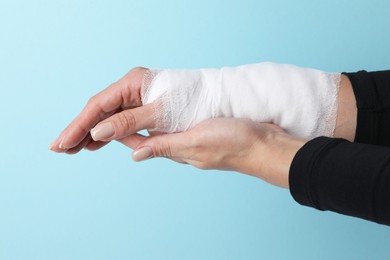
[[346, 112], [273, 157]]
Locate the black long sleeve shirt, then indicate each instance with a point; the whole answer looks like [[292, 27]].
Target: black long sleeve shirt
[[351, 178]]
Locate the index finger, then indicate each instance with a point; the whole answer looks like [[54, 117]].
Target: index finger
[[122, 94]]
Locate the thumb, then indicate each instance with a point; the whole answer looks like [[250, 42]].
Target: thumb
[[175, 145]]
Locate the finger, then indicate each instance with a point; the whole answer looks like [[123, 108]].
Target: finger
[[98, 108], [178, 146], [154, 133], [80, 146], [132, 141], [95, 145], [125, 93], [124, 123]]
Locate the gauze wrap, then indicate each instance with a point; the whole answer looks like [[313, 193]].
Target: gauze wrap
[[302, 101]]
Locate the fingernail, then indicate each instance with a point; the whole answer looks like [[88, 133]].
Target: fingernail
[[51, 146], [143, 153], [61, 145], [103, 131]]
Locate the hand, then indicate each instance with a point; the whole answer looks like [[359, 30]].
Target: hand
[[261, 150], [121, 102], [112, 108]]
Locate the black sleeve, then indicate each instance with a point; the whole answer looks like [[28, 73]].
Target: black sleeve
[[372, 93], [351, 178], [348, 178]]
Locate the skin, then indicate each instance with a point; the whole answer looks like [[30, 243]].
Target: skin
[[258, 149]]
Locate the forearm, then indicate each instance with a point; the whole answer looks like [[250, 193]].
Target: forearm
[[348, 178], [372, 95], [281, 148], [346, 111]]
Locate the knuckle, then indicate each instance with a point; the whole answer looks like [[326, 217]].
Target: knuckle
[[137, 71], [129, 97], [92, 100], [126, 122], [162, 150], [114, 84], [139, 68]]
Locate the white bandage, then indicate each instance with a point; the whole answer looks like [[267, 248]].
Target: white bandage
[[301, 101]]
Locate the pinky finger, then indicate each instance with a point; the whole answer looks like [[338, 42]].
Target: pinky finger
[[80, 146], [95, 145]]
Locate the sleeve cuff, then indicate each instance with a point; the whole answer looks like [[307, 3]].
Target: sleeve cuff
[[302, 178]]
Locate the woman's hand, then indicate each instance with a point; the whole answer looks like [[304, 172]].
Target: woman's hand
[[117, 112], [121, 103], [261, 150]]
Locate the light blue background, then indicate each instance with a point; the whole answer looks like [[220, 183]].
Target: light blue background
[[54, 55]]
